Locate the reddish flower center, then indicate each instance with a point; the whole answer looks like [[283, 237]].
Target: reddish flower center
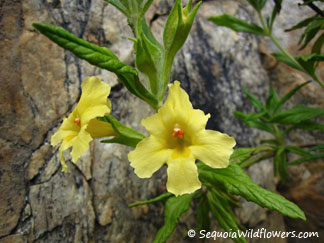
[[77, 121], [177, 133]]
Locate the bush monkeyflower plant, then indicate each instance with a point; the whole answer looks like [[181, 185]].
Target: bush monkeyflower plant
[[178, 138], [177, 131]]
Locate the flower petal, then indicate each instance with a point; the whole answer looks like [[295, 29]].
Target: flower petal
[[93, 102], [99, 129], [182, 175], [177, 109], [148, 156], [67, 129], [80, 144], [213, 148], [64, 146]]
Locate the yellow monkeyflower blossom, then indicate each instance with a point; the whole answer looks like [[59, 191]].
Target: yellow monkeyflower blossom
[[178, 137], [81, 125]]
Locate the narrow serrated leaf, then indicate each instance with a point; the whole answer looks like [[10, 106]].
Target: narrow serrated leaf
[[289, 95], [307, 125], [306, 158], [258, 4], [296, 115], [251, 120], [303, 23], [283, 58], [203, 219], [234, 180], [317, 47], [280, 164], [241, 154], [297, 150], [223, 212], [310, 32], [134, 10], [174, 208], [254, 101], [272, 100], [317, 147], [276, 10], [99, 56], [236, 24]]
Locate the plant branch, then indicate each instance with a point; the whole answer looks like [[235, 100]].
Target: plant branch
[[314, 8]]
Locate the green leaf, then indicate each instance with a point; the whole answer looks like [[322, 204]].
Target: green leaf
[[174, 208], [297, 150], [241, 154], [272, 100], [161, 198], [276, 10], [223, 212], [289, 95], [177, 28], [126, 135], [307, 125], [255, 102], [149, 58], [280, 164], [236, 24], [303, 23], [258, 4], [312, 58], [251, 120], [308, 62], [99, 56], [307, 158], [283, 58], [134, 10], [317, 147], [306, 155], [296, 115], [203, 219], [311, 31], [317, 47], [234, 180]]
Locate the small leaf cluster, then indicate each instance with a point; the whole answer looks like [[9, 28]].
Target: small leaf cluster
[[270, 116], [272, 119], [313, 26], [218, 198]]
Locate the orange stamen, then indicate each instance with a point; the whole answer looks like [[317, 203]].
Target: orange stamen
[[77, 121], [177, 133]]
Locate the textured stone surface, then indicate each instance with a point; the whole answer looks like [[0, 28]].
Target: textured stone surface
[[40, 84]]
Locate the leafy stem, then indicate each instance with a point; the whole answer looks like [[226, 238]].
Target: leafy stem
[[268, 32], [256, 159], [278, 135]]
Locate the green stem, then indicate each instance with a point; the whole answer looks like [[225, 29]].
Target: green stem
[[278, 135], [256, 159], [165, 76], [268, 32]]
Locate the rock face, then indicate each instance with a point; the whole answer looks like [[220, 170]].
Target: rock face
[[40, 83]]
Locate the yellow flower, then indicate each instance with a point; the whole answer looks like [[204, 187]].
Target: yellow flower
[[178, 138], [81, 125]]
